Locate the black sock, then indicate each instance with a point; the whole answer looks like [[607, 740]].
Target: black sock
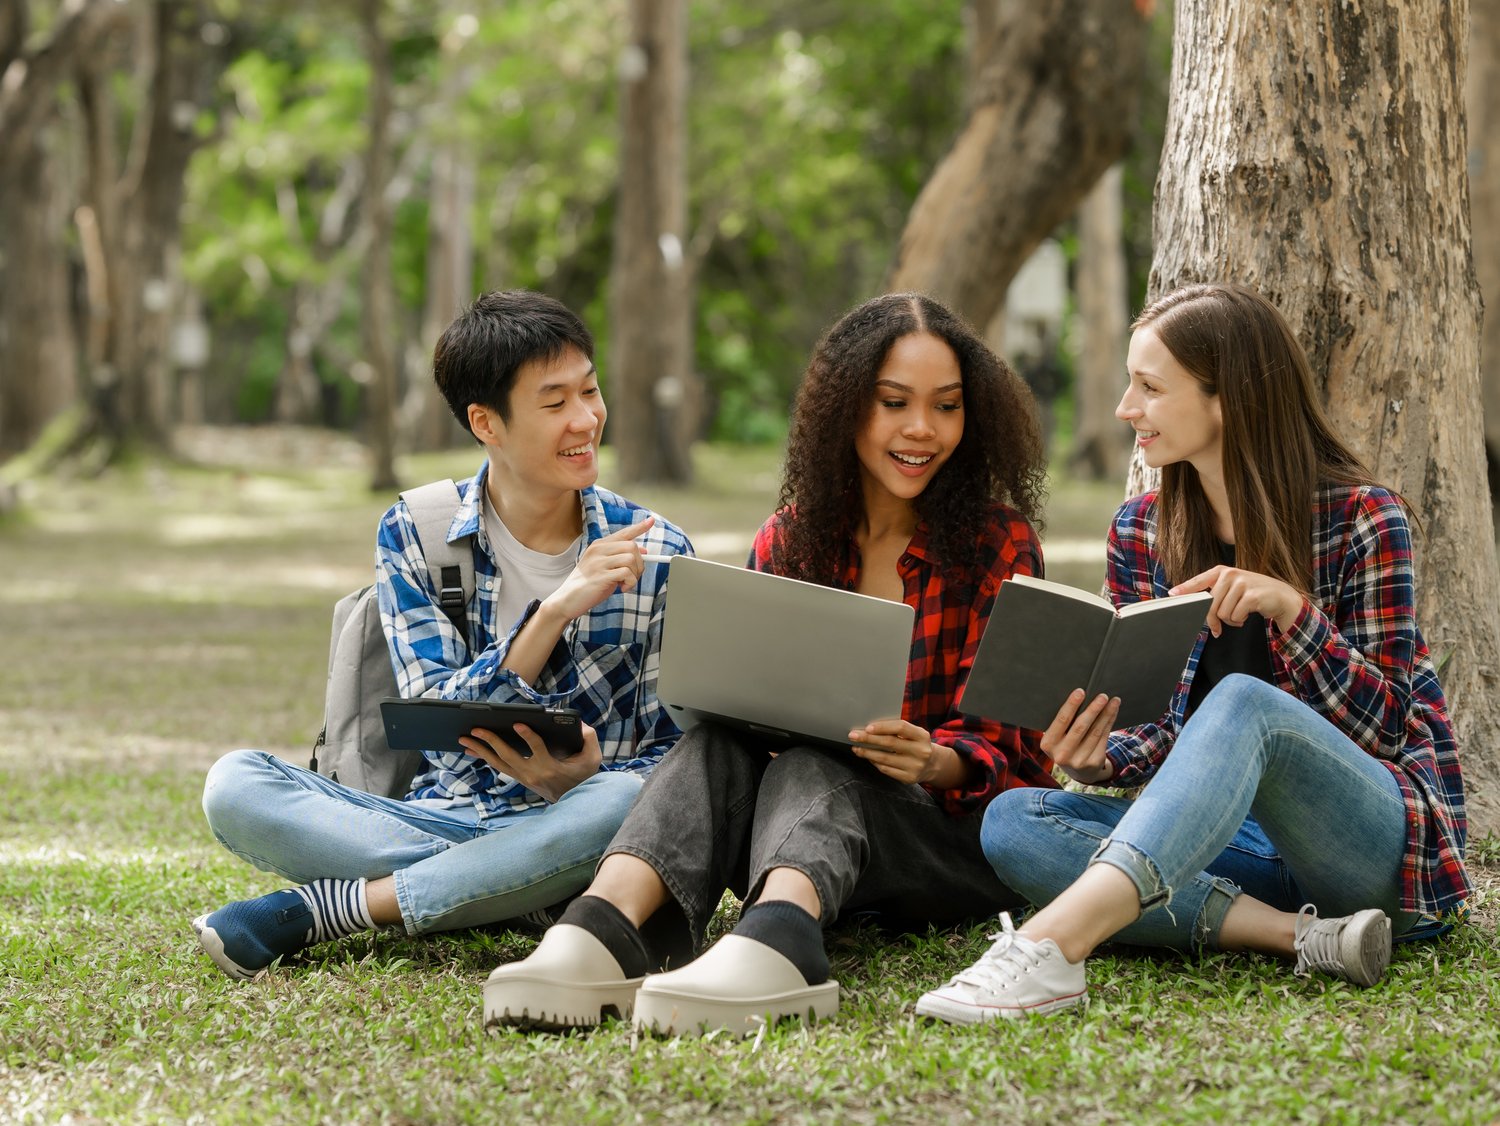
[[791, 932], [608, 924]]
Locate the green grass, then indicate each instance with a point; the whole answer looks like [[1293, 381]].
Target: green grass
[[160, 616]]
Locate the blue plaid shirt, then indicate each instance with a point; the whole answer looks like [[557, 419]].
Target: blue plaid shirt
[[605, 664]]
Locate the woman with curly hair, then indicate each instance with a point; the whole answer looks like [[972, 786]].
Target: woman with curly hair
[[914, 472]]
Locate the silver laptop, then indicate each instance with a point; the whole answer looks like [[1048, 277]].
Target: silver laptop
[[789, 660]]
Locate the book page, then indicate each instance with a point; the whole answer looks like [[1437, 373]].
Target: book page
[[1149, 604], [1146, 654], [1061, 588], [1042, 642]]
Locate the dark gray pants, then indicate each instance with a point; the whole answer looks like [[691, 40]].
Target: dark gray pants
[[719, 812]]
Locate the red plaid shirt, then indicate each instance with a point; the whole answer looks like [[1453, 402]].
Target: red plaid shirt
[[943, 643], [1354, 655]]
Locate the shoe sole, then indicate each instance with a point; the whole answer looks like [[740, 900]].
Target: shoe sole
[[213, 946], [664, 1012], [956, 1012], [1365, 946], [547, 1005]]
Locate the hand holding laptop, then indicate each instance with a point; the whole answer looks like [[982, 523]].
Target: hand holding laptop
[[906, 752]]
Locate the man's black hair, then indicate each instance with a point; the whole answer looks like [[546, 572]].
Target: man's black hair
[[479, 354]]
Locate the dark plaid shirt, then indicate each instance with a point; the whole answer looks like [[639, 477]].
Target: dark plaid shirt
[[943, 643], [1354, 655]]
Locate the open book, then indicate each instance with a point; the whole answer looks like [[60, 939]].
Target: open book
[[1045, 639]]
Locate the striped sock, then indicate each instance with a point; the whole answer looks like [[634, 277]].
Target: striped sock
[[338, 908]]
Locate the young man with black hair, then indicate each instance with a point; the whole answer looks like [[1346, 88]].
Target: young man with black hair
[[567, 613]]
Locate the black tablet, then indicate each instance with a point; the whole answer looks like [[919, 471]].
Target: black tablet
[[436, 725]]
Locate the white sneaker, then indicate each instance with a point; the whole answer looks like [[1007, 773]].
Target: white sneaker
[[1013, 978], [1354, 947], [571, 980], [738, 984]]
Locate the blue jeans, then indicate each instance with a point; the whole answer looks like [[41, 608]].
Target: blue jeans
[[1259, 795], [452, 869]]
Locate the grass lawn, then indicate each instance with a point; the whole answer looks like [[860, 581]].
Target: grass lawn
[[163, 615]]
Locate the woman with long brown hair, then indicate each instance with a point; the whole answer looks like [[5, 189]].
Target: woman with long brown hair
[[914, 471], [1306, 763]]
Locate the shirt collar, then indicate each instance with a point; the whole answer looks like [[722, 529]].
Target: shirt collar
[[468, 520], [918, 548]]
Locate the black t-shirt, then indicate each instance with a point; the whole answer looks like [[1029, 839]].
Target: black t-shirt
[[1242, 649]]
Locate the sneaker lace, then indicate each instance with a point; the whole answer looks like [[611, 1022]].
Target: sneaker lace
[[1004, 962], [541, 918], [1316, 941]]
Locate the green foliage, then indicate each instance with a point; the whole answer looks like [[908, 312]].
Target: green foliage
[[811, 138], [812, 128]]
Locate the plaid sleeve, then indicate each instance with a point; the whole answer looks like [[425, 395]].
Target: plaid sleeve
[[1357, 672], [655, 731], [427, 653], [1137, 752], [997, 756], [763, 547]]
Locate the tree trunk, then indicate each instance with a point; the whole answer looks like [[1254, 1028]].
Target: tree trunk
[[450, 273], [650, 370], [1483, 98], [37, 361], [133, 218], [38, 366], [1101, 446], [298, 396], [379, 304], [1056, 84], [314, 306], [1317, 152]]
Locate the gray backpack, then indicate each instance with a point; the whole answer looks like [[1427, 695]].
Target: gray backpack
[[351, 749]]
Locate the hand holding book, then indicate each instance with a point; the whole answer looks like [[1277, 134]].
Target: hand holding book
[[1238, 593], [1077, 740], [1046, 639]]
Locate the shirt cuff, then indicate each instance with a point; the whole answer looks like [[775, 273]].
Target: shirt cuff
[[1309, 635]]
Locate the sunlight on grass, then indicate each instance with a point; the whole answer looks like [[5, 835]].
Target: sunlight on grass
[[169, 614]]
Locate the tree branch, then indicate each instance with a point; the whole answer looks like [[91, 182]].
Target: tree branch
[[28, 82]]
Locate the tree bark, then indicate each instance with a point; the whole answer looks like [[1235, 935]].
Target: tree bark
[[1483, 99], [1101, 446], [38, 364], [450, 273], [379, 303], [131, 219], [1317, 152], [652, 383], [1057, 82]]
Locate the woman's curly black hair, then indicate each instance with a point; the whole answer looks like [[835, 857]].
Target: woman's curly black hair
[[1000, 457]]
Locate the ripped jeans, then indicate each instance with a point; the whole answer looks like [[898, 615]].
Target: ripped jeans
[[1259, 795]]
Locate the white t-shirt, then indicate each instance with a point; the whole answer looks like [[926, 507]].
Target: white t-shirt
[[524, 574]]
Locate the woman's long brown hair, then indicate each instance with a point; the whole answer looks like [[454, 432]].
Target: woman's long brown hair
[[1278, 445]]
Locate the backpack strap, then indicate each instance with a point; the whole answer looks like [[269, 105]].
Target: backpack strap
[[433, 507]]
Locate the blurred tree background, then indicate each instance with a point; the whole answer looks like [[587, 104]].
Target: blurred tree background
[[226, 213], [210, 212]]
